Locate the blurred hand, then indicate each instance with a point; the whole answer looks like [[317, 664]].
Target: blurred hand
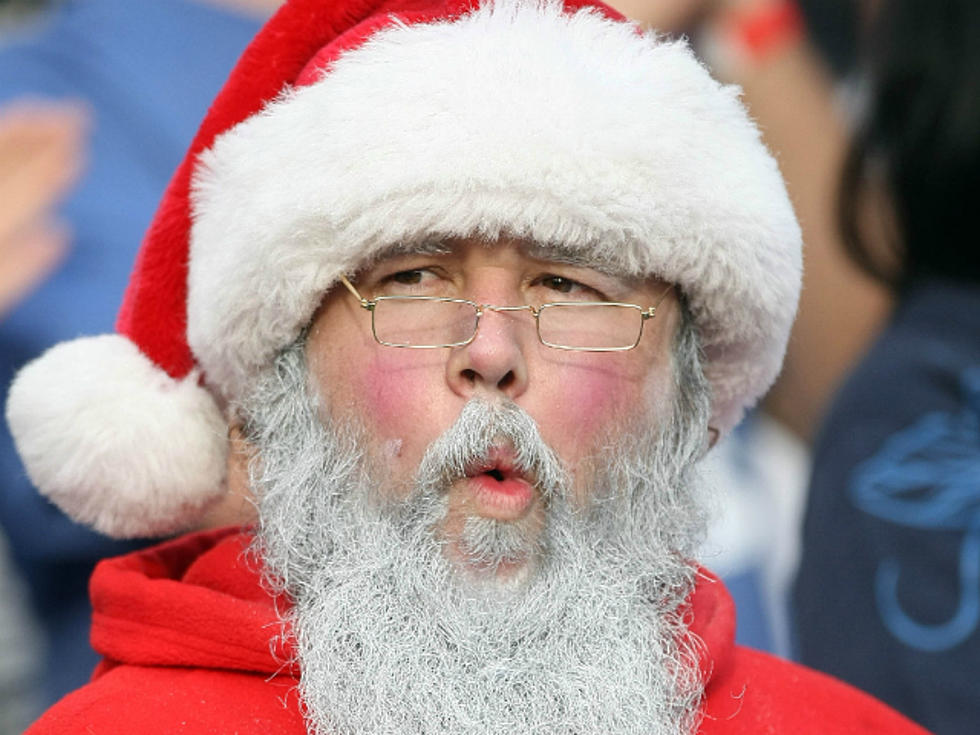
[[42, 150]]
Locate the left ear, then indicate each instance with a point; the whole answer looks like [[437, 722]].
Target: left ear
[[237, 507], [713, 435]]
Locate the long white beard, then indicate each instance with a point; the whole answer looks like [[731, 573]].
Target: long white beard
[[392, 638]]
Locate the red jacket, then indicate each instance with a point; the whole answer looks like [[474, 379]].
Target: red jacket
[[189, 640]]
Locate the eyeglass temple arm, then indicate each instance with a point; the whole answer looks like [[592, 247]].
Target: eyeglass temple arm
[[350, 287], [652, 311]]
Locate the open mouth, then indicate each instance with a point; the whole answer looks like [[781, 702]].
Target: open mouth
[[504, 481], [495, 474], [499, 489], [499, 464], [499, 467]]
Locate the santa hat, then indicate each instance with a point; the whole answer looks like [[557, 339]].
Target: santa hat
[[351, 125]]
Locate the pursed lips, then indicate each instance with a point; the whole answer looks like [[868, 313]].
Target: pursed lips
[[498, 490]]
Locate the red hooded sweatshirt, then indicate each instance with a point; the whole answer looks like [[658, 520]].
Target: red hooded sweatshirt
[[191, 644]]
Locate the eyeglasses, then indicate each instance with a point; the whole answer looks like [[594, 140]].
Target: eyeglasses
[[429, 322]]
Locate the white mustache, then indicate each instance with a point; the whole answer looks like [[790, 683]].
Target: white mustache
[[482, 429]]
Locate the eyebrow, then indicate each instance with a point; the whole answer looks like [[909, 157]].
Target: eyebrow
[[429, 246], [559, 253], [555, 252]]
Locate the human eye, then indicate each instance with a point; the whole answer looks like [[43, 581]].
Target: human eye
[[411, 277], [421, 281], [553, 287]]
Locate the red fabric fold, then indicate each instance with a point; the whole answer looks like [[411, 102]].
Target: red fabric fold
[[193, 644], [196, 601]]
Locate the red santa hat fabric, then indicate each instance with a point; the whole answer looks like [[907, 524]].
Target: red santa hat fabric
[[351, 126]]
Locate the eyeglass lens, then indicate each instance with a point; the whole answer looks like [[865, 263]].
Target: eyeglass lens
[[423, 323], [590, 326], [407, 322]]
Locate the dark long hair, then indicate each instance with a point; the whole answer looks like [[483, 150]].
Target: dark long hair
[[921, 140]]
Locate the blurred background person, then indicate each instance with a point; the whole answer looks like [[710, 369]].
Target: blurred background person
[[795, 63], [132, 81], [41, 150], [881, 387], [888, 594]]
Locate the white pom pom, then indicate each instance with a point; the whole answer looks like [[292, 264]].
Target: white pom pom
[[114, 441]]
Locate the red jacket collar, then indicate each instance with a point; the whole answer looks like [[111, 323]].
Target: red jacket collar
[[199, 601]]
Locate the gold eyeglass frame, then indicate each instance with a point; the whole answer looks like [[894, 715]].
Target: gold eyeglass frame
[[370, 304]]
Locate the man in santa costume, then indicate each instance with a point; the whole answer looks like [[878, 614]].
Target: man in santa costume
[[458, 293]]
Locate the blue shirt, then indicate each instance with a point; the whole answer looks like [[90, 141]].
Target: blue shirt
[[888, 592]]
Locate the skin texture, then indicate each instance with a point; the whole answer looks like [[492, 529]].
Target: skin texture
[[407, 398]]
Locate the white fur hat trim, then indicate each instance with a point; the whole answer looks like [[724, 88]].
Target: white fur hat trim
[[517, 119], [117, 444]]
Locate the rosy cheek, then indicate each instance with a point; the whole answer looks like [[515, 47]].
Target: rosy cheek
[[386, 393], [401, 397], [585, 403], [591, 397]]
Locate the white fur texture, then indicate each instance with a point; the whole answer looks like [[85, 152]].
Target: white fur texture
[[115, 442], [515, 119]]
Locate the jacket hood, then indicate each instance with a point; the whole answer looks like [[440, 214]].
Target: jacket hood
[[195, 601]]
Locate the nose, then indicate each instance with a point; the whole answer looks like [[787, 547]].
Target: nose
[[494, 362]]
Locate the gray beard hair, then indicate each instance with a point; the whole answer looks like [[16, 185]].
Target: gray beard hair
[[393, 638]]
